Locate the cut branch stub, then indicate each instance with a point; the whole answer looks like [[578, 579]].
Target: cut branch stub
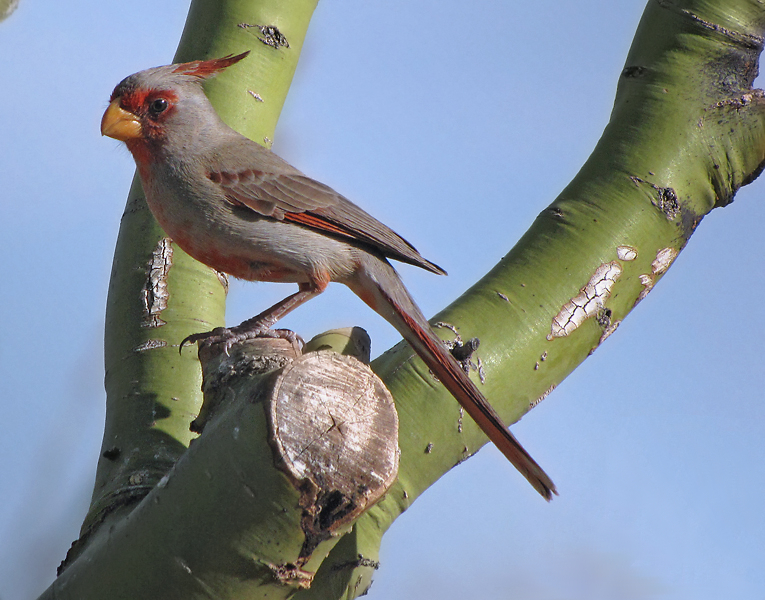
[[330, 423], [334, 429], [221, 370]]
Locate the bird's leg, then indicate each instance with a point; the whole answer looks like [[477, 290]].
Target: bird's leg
[[260, 325]]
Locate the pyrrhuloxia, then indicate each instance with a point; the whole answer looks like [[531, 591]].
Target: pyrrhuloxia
[[239, 208]]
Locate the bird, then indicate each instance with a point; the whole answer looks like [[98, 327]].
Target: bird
[[239, 208]]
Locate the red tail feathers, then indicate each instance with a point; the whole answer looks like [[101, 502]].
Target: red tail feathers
[[416, 330]]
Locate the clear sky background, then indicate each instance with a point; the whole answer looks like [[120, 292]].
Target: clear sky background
[[448, 121]]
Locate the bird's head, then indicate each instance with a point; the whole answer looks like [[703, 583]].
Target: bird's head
[[144, 105]]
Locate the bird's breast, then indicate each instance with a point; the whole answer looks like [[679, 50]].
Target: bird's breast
[[239, 241]]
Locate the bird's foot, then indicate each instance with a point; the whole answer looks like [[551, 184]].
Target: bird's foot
[[229, 336]]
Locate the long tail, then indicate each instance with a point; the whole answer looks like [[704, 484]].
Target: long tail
[[378, 284]]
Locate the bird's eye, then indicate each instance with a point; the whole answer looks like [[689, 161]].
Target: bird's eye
[[157, 106]]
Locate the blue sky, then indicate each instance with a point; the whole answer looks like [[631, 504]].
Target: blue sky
[[442, 119]]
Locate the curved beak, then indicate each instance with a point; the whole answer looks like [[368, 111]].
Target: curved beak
[[119, 124]]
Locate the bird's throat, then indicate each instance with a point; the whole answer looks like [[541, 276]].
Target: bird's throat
[[142, 153]]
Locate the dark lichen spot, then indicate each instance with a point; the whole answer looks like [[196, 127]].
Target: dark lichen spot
[[333, 507], [604, 318], [464, 351], [667, 202], [634, 72], [271, 35], [361, 561], [112, 453]]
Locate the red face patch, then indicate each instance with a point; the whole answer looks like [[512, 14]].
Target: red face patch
[[152, 107], [142, 103]]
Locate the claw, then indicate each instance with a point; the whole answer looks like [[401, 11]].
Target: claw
[[218, 334], [234, 335]]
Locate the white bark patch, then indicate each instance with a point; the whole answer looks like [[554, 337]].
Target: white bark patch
[[182, 564], [608, 331], [626, 253], [544, 395], [590, 300], [150, 345], [664, 258], [154, 294], [223, 278]]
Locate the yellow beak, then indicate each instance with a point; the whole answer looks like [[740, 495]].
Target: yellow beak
[[119, 124]]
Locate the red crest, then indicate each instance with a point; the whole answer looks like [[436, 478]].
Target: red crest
[[207, 68]]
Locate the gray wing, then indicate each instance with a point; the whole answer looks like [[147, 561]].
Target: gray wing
[[257, 179]]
